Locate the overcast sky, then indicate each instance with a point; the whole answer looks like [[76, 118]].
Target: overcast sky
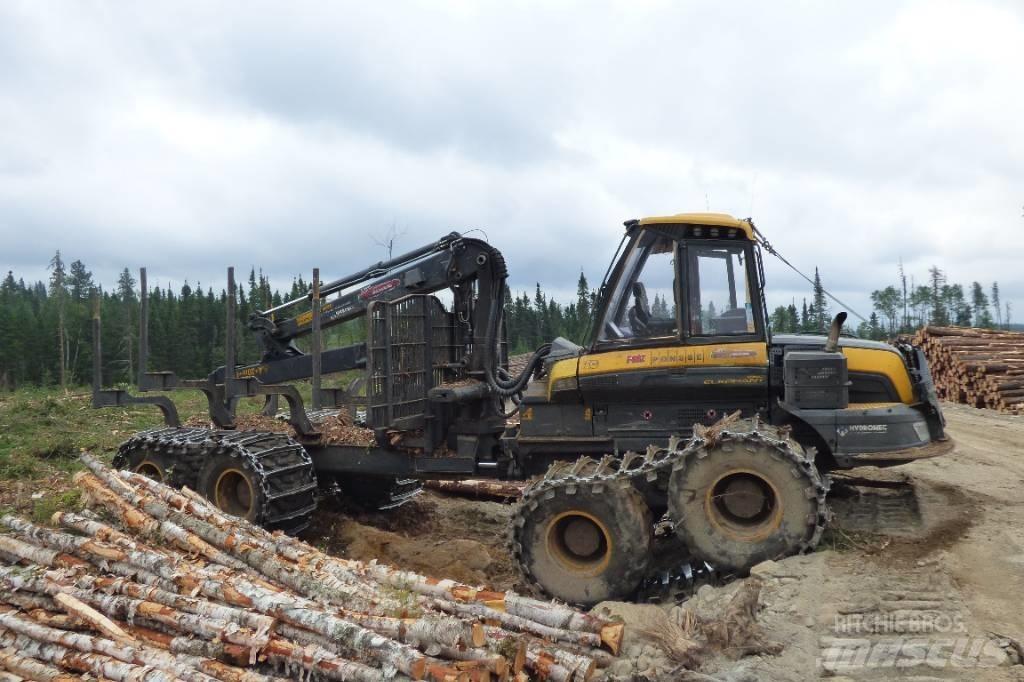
[[191, 136]]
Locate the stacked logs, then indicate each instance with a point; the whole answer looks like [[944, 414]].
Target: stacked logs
[[177, 590], [978, 367]]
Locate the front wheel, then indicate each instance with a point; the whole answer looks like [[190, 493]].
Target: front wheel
[[742, 501], [583, 542]]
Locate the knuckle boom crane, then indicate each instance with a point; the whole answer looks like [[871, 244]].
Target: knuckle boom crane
[[683, 405]]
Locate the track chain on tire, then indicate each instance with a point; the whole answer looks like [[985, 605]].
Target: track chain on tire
[[656, 466], [678, 583], [287, 478]]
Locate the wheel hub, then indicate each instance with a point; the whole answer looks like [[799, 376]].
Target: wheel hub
[[582, 537], [150, 470], [234, 494], [744, 498], [744, 505], [579, 542]]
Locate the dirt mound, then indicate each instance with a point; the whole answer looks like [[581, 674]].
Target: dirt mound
[[434, 534], [467, 561]]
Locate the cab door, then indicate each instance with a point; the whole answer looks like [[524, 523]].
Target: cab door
[[680, 340], [621, 379], [724, 328]]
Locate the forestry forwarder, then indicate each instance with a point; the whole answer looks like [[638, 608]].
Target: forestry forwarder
[[683, 404]]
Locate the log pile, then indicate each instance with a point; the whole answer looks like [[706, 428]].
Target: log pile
[[977, 367], [153, 583]]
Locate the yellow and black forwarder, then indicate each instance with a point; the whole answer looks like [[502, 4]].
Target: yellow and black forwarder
[[682, 407]]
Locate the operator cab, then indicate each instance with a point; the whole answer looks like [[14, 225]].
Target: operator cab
[[679, 339], [690, 278]]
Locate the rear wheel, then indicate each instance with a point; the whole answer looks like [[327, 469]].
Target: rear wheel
[[232, 486], [740, 502], [154, 464], [584, 543]]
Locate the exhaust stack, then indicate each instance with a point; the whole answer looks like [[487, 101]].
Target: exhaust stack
[[833, 333]]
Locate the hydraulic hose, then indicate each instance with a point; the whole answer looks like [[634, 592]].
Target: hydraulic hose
[[500, 386]]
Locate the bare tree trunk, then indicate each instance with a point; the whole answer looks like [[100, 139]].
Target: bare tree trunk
[[62, 343]]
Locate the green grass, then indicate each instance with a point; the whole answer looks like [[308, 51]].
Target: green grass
[[66, 501], [43, 430]]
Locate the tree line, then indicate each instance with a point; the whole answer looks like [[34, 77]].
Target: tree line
[[46, 337], [46, 327], [904, 307]]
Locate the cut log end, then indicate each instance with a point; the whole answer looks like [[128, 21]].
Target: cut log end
[[611, 637], [85, 612]]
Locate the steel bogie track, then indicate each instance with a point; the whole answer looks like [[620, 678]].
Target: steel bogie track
[[284, 470], [654, 468]]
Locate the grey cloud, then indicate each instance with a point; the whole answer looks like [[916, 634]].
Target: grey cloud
[[187, 137]]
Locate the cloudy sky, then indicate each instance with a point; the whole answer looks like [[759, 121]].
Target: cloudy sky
[[190, 136]]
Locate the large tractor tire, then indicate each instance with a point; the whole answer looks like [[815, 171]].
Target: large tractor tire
[[155, 463], [583, 542], [233, 485], [745, 499], [265, 478]]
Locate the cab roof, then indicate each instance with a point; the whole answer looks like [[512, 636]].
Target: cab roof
[[702, 219]]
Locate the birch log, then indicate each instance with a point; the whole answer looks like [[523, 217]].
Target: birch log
[[95, 664], [25, 668], [550, 614]]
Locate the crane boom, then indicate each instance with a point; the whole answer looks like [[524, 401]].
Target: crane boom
[[463, 265]]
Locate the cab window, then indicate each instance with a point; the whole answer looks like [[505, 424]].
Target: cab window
[[719, 291], [644, 302]]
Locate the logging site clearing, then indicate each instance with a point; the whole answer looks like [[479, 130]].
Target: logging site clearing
[[916, 576]]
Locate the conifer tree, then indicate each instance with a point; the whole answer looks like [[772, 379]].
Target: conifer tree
[[58, 293]]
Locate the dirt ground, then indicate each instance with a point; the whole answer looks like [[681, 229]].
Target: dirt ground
[[926, 578], [919, 577], [435, 534]]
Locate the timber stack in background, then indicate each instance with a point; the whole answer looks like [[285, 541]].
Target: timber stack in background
[[177, 590], [977, 367]]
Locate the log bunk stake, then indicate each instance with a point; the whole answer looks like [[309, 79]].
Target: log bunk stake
[[180, 591]]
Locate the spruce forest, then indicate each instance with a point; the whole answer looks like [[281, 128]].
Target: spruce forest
[[45, 327]]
